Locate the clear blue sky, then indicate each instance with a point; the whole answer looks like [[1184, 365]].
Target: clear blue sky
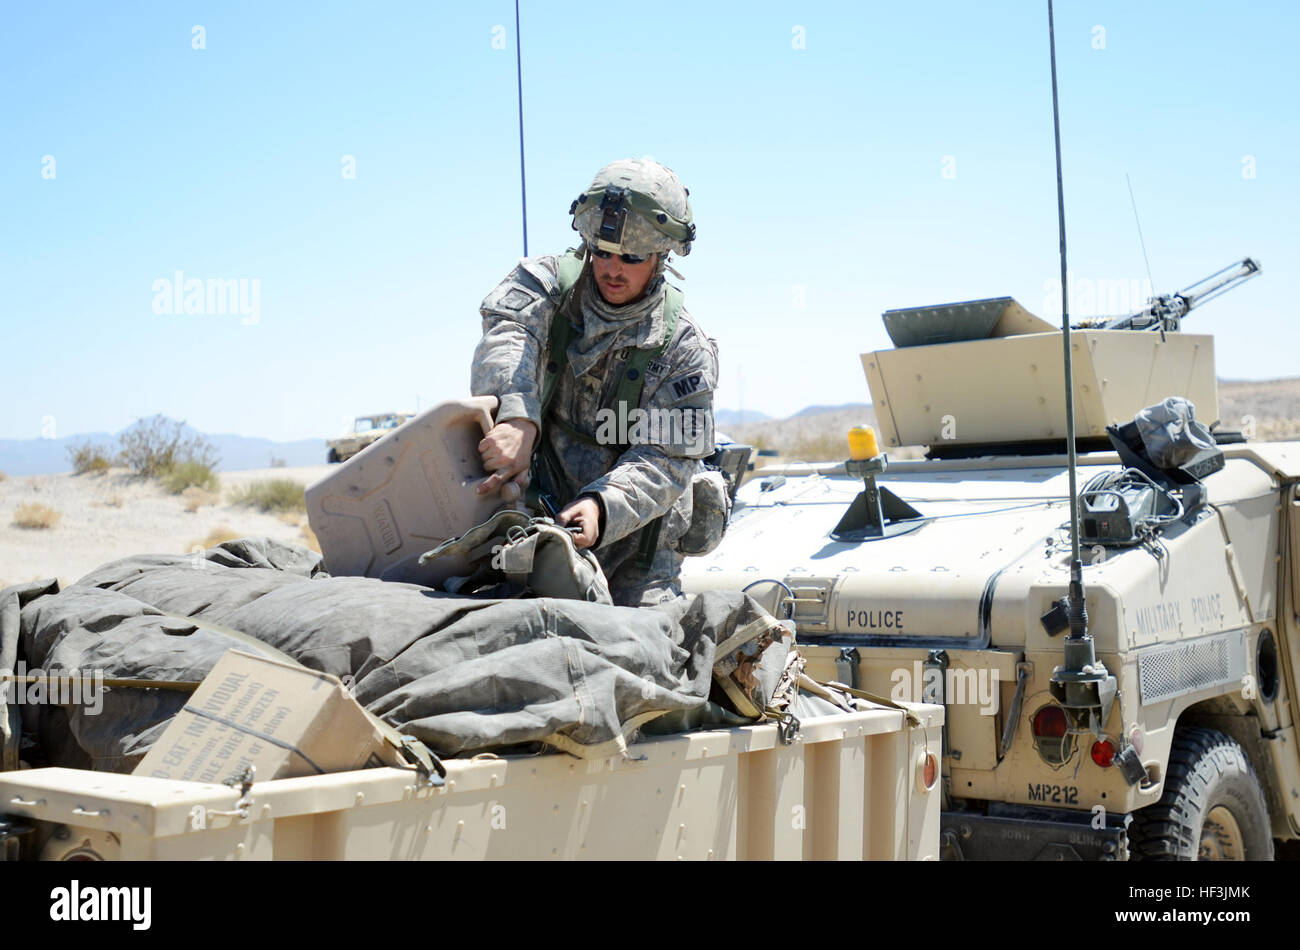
[[816, 174]]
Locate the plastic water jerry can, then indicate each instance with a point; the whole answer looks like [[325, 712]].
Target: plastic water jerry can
[[405, 494]]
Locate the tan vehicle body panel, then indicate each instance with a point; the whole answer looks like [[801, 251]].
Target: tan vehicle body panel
[[847, 788], [1180, 632], [923, 394], [1226, 574]]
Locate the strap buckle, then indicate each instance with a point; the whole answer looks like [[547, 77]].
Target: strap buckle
[[425, 760], [787, 729]]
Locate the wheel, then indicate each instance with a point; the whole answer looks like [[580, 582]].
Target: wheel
[[1212, 808], [333, 457]]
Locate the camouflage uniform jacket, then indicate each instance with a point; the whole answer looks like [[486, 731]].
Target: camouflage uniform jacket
[[635, 479]]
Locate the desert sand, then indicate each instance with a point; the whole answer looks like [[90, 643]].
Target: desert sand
[[117, 514]]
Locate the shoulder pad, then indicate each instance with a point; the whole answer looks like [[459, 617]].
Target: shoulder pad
[[544, 271], [570, 269]]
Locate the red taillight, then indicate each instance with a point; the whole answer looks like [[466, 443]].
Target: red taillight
[[1050, 723], [930, 771], [927, 771], [1103, 753]]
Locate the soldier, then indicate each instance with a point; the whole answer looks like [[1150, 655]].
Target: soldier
[[605, 381]]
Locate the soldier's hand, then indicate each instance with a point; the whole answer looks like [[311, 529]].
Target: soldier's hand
[[585, 514], [506, 451]]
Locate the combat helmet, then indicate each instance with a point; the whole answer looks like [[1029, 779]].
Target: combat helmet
[[635, 206]]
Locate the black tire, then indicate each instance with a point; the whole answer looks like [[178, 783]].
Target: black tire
[[332, 457], [1209, 777]]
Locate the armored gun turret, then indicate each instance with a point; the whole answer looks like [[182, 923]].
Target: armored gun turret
[[986, 377], [943, 579]]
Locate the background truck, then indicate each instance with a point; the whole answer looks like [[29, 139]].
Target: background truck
[[365, 431]]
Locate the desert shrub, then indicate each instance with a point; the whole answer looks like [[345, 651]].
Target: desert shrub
[[3, 476], [36, 516], [114, 501], [190, 474], [196, 497], [274, 495], [820, 448], [86, 457], [216, 536], [155, 445]]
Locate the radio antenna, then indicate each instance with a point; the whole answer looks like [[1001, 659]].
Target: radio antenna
[[519, 79], [1081, 684], [1076, 562], [1150, 282]]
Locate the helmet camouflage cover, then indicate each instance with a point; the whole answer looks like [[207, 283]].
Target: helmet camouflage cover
[[635, 206]]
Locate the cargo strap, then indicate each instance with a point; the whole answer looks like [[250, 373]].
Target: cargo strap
[[846, 665], [912, 718], [263, 736], [113, 682], [1013, 714], [787, 725], [180, 686], [627, 395]]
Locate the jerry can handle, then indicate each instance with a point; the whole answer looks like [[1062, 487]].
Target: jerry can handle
[[486, 412]]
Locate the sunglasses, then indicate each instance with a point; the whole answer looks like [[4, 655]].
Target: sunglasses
[[625, 258]]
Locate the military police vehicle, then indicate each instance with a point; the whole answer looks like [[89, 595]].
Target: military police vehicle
[[366, 430], [1168, 730]]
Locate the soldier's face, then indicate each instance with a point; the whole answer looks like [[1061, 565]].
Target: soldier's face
[[621, 283]]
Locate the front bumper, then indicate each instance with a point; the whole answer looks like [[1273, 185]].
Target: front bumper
[[1022, 833]]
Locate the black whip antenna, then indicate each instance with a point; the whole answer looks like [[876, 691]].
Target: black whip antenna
[[1081, 684], [519, 79], [1076, 562]]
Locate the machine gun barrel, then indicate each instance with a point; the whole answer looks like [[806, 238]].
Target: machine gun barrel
[[1166, 311]]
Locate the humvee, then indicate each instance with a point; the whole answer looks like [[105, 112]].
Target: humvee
[[365, 430], [943, 578]]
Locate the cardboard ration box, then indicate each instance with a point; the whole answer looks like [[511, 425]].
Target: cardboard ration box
[[285, 720]]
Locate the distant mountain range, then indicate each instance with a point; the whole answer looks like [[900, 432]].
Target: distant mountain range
[[732, 417], [819, 410], [735, 417], [1272, 405], [237, 452]]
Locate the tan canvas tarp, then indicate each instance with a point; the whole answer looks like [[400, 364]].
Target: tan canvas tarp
[[462, 674]]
